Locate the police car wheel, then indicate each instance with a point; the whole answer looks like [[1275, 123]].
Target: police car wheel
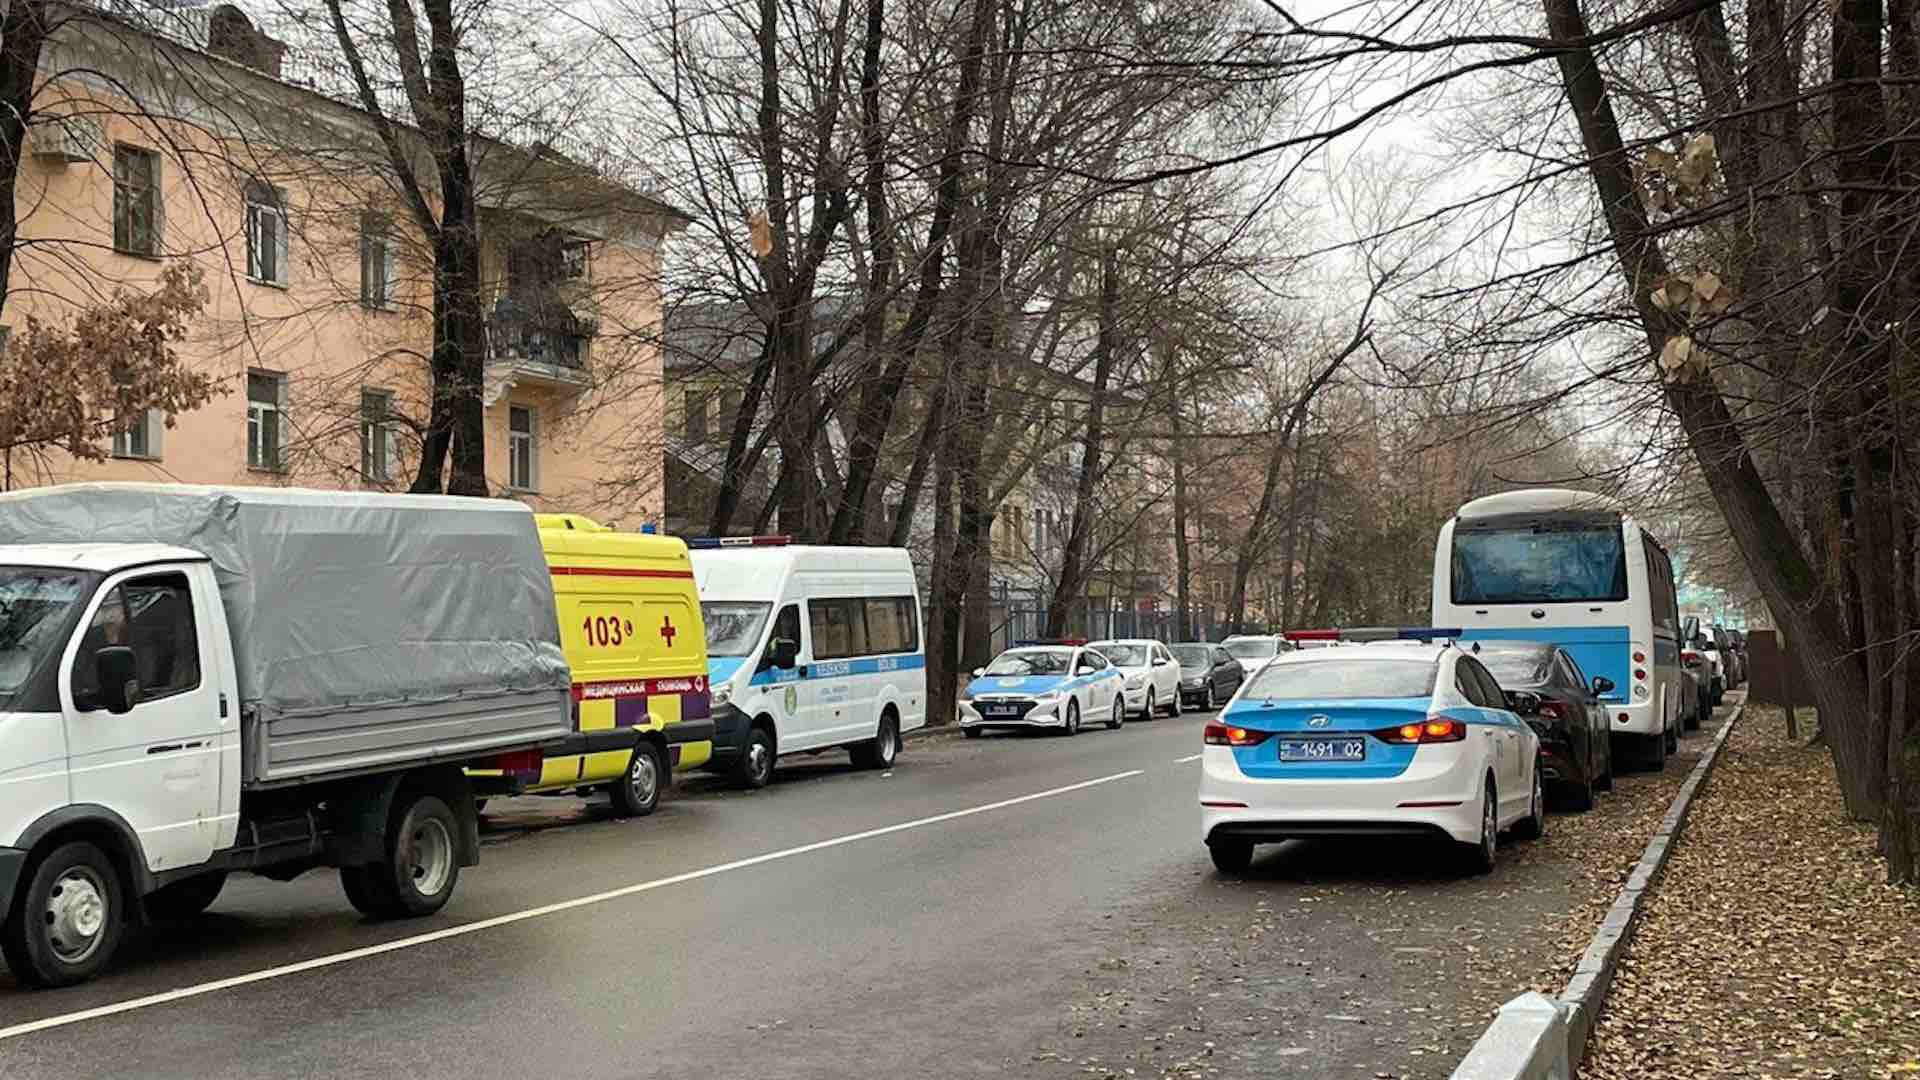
[[1120, 713], [970, 732], [1231, 857], [1072, 726]]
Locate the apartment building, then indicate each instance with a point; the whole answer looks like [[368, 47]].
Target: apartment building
[[175, 133]]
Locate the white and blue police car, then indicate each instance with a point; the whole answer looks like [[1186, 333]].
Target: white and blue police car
[[1410, 736], [1044, 684]]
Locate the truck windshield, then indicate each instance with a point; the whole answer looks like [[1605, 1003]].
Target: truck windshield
[[34, 605], [733, 627]]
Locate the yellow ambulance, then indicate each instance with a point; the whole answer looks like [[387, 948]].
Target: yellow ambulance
[[630, 626]]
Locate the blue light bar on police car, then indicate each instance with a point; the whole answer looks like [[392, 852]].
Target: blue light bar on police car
[[710, 542]]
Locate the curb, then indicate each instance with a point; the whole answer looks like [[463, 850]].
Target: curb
[[1585, 994]]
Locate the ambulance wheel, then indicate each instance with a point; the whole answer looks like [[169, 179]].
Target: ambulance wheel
[[68, 920], [756, 759], [879, 751], [637, 793]]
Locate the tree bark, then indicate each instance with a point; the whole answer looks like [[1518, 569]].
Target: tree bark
[[23, 35], [1079, 530]]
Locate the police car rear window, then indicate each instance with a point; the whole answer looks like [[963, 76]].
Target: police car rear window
[[1345, 677]]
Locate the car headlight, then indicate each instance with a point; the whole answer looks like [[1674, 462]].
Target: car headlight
[[1047, 698], [1195, 682], [1135, 682], [722, 694]]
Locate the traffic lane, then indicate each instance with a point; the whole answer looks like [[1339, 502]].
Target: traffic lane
[[1330, 959], [543, 850], [937, 951]]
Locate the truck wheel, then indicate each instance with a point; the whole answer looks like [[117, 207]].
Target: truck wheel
[[362, 886], [879, 751], [185, 899], [638, 792], [424, 860], [69, 920]]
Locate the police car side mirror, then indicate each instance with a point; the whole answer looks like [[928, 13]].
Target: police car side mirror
[[979, 671], [1084, 669], [786, 652]]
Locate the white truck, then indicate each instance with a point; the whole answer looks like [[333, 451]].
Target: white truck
[[198, 681]]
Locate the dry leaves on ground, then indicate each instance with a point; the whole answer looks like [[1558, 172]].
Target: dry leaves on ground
[[1772, 947]]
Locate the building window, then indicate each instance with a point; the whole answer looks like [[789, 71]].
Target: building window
[[139, 438], [376, 436], [522, 456], [573, 260], [266, 412], [266, 233], [136, 200], [696, 416], [376, 261]]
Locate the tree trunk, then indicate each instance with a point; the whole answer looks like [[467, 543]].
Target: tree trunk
[[1182, 550], [1786, 581], [23, 34], [1080, 528]]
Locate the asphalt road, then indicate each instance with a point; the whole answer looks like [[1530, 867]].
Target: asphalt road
[[1036, 906]]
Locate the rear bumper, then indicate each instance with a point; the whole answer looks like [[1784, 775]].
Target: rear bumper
[[1268, 811], [1642, 718], [13, 862]]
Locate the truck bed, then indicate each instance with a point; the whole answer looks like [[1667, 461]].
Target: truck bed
[[297, 748]]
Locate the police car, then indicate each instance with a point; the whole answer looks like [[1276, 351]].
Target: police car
[[1057, 684], [1408, 736]]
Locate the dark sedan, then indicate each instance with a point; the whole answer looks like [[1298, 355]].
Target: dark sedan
[[1547, 688], [1208, 674]]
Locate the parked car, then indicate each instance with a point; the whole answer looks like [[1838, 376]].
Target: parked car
[[1208, 674], [1734, 671], [1546, 687], [1694, 636], [1050, 685], [1350, 743], [1152, 677], [1689, 700], [1253, 650], [1699, 680]]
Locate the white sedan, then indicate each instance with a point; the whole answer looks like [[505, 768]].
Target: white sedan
[[1393, 739], [1152, 674]]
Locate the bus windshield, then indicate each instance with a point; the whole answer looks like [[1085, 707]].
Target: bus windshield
[[1539, 564]]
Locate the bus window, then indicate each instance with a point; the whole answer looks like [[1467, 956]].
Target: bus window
[[1539, 564]]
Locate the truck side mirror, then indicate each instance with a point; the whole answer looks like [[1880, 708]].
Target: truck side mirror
[[786, 653], [1602, 686], [119, 681]]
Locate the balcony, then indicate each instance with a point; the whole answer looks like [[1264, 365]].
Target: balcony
[[540, 345]]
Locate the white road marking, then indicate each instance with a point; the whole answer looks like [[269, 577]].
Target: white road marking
[[181, 994], [1184, 760]]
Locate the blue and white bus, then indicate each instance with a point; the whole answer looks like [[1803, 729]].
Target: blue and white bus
[[1574, 569]]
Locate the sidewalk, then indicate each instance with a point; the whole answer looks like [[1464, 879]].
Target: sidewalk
[[1771, 947]]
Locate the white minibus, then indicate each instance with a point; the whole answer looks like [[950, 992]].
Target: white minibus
[[808, 649], [1572, 568]]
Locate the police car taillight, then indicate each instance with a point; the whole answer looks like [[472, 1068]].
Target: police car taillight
[[1233, 735], [1434, 729]]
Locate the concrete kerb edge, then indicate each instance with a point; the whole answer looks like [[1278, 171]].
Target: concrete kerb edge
[[1585, 995]]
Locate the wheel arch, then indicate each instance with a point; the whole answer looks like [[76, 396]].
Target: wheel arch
[[105, 830]]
